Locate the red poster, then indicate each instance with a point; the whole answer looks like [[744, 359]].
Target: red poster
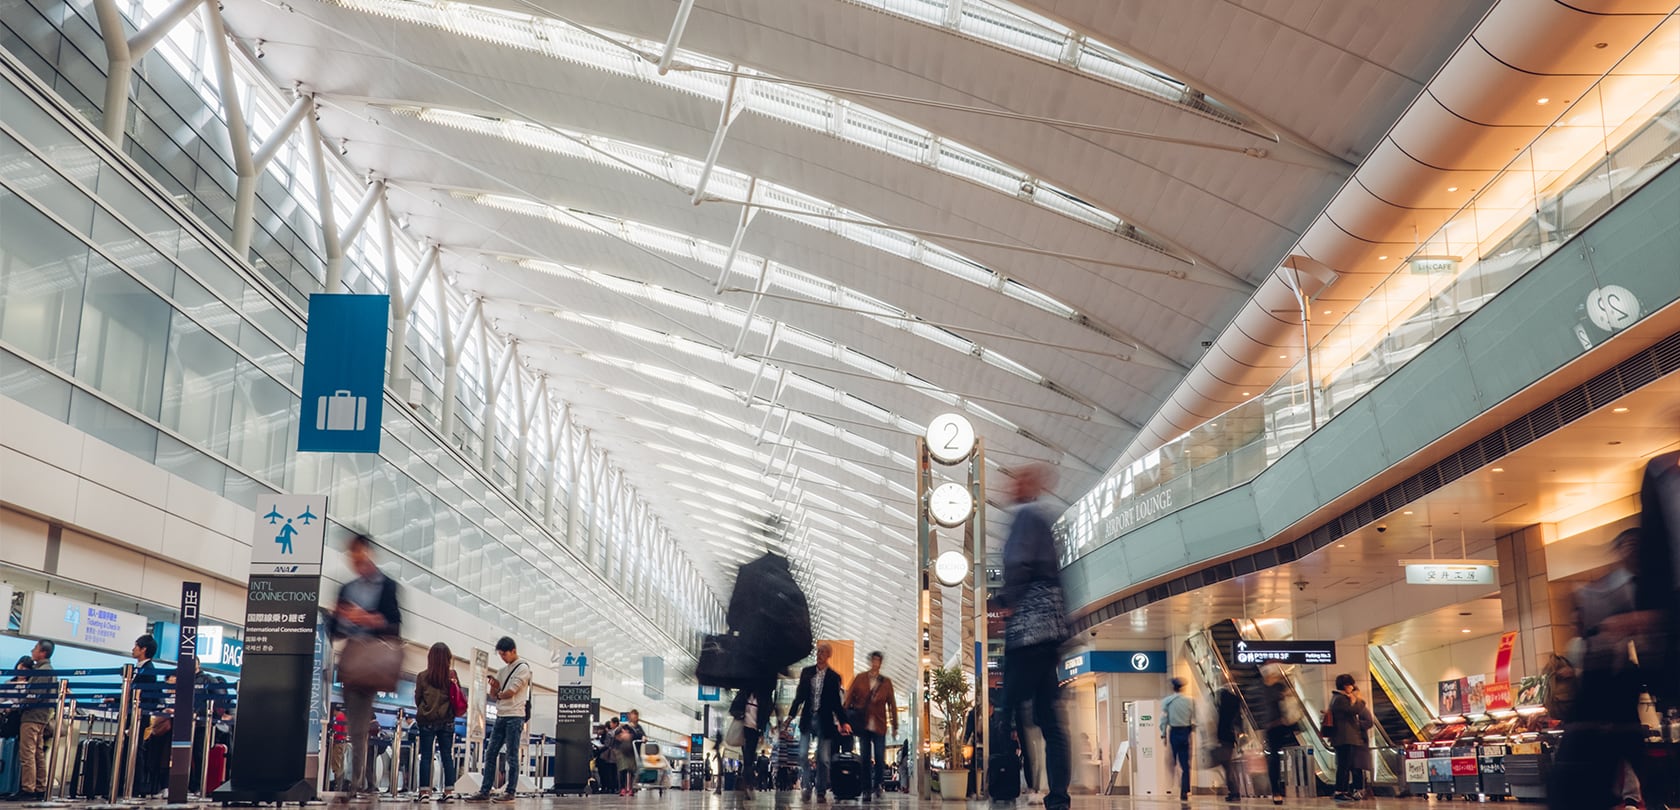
[[1502, 664], [1464, 766], [1498, 696]]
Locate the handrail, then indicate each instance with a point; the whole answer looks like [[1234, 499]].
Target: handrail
[[1400, 690]]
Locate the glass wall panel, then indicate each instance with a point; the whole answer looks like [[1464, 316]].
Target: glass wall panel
[[124, 334], [42, 270]]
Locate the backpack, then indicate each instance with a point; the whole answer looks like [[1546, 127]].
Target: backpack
[[1559, 682]]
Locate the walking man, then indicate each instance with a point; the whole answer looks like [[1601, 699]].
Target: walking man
[[1178, 718], [871, 705], [1034, 629], [818, 706], [510, 686]]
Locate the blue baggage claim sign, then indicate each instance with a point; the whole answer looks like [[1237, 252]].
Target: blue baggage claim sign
[[344, 373]]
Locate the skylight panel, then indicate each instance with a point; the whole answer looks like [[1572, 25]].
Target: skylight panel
[[964, 162], [1011, 30]]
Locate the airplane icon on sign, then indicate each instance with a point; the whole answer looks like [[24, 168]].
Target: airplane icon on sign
[[274, 515], [307, 516]]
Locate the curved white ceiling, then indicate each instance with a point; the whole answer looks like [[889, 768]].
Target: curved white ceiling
[[1052, 271]]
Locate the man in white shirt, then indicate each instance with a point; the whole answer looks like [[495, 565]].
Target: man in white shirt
[[510, 687]]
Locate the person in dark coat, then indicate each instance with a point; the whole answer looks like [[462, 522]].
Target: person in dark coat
[[1348, 733], [1227, 730], [818, 705]]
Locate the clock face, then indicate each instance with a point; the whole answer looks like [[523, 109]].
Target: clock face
[[951, 568], [950, 504], [950, 438]]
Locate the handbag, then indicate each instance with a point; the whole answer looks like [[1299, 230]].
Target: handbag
[[457, 699], [370, 663], [1038, 617], [736, 735]]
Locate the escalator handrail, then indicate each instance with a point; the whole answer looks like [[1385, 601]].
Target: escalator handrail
[[1323, 753], [1404, 694], [1396, 699]]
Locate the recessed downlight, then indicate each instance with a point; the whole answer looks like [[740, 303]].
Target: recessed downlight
[[1407, 512], [1542, 100], [1452, 188], [1382, 258], [1499, 469], [1618, 410], [1464, 630]]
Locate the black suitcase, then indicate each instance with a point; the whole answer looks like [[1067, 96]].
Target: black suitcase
[[845, 771], [1003, 775], [91, 776]]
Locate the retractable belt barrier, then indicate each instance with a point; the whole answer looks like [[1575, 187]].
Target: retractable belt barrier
[[98, 696]]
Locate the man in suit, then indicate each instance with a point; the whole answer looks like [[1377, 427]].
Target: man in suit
[[822, 717]]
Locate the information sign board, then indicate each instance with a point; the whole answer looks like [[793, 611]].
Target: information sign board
[[344, 373], [1250, 653]]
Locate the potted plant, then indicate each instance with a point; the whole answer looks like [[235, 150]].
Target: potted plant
[[953, 696]]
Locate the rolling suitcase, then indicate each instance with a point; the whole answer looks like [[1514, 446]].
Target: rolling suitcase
[[215, 772], [1003, 775], [9, 778], [845, 772]]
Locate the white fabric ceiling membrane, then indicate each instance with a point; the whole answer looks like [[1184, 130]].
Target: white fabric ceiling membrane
[[1050, 270]]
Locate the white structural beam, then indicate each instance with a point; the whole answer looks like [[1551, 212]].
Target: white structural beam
[[748, 212], [726, 116], [684, 7], [122, 51], [452, 350]]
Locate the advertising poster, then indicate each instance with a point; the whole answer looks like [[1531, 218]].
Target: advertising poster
[[1530, 691], [1417, 770], [1498, 696], [1451, 697], [1475, 695]]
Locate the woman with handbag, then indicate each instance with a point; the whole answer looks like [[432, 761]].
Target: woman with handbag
[[366, 615], [438, 700], [751, 716], [1035, 626]]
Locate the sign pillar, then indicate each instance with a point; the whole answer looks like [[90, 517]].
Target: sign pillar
[[180, 743], [282, 691], [574, 714]]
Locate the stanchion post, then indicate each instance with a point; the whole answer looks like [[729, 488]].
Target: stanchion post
[[131, 752], [207, 740], [58, 735], [396, 753], [119, 741]]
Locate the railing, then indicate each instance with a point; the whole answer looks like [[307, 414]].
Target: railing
[[1612, 142]]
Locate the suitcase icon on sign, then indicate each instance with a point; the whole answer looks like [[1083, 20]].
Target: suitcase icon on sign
[[341, 411]]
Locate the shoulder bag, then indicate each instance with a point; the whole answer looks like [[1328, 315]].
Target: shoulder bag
[[370, 663], [1039, 617]]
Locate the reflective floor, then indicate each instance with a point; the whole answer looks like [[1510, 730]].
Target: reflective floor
[[681, 800]]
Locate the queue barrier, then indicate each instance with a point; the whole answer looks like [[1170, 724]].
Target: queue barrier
[[103, 705]]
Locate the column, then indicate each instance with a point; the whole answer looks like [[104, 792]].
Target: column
[[1538, 612]]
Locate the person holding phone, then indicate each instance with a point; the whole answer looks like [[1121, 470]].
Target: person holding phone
[[510, 687]]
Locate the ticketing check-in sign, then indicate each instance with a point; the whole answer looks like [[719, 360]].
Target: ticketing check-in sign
[[344, 373]]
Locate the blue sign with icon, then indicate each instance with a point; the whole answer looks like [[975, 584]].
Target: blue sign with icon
[[1122, 661], [710, 693], [344, 373]]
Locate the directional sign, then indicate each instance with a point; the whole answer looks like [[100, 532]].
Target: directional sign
[[1284, 652], [288, 535], [575, 665], [344, 373]]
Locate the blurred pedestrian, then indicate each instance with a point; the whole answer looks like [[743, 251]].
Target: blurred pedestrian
[[1227, 732], [1035, 627], [366, 611]]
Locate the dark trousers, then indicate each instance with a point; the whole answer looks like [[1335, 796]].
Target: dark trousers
[[1277, 739], [747, 779], [1226, 753], [1348, 777], [441, 737], [1179, 738], [1030, 676], [1602, 733], [874, 759]]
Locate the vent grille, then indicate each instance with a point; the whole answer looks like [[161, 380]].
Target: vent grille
[[1630, 375]]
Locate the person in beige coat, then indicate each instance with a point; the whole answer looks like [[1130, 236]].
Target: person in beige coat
[[871, 708]]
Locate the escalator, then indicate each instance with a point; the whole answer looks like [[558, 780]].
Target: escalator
[[1395, 700], [1389, 718]]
